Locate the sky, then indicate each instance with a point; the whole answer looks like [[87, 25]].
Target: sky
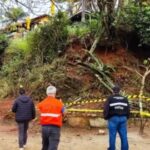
[[39, 7]]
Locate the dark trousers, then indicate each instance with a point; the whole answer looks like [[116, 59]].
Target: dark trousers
[[22, 128], [118, 124], [50, 137]]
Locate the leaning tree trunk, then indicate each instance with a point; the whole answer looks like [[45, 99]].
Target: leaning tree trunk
[[99, 71], [142, 122], [94, 44], [83, 10]]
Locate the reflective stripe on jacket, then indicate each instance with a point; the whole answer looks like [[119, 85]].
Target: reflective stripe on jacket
[[51, 111], [116, 105]]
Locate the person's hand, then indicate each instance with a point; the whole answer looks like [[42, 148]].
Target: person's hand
[[34, 120]]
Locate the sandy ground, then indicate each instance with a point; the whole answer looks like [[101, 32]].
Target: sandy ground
[[71, 139]]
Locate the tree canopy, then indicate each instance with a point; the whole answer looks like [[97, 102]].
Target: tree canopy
[[15, 13]]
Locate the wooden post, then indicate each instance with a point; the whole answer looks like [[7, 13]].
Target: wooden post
[[28, 23], [52, 7], [83, 11]]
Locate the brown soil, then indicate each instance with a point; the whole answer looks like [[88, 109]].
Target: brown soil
[[71, 139], [119, 58]]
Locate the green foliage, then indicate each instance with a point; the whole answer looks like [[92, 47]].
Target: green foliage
[[95, 22], [11, 74], [39, 78], [146, 62], [5, 87], [11, 27], [143, 25], [137, 18], [78, 30], [16, 72], [15, 66], [17, 53], [15, 13], [19, 45], [3, 43], [102, 72], [27, 58], [82, 29], [49, 40]]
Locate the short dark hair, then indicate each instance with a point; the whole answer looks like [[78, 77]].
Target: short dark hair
[[116, 89], [21, 91]]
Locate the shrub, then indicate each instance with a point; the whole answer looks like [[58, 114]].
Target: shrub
[[82, 29], [19, 45], [136, 18], [3, 43], [78, 30], [49, 40], [15, 65]]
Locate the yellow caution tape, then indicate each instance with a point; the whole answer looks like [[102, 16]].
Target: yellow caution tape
[[137, 96], [148, 99], [135, 112], [144, 113], [85, 102], [83, 110], [147, 114], [52, 10], [131, 97]]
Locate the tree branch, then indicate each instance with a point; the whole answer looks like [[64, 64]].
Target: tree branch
[[132, 70]]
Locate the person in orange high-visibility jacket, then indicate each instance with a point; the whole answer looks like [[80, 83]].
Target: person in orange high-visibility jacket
[[51, 113]]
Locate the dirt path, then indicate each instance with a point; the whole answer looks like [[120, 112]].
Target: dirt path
[[71, 139]]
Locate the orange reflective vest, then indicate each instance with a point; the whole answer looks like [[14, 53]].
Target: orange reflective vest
[[50, 111]]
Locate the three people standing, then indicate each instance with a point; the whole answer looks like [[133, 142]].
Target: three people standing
[[116, 111]]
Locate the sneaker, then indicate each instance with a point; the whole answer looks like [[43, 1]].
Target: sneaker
[[21, 149]]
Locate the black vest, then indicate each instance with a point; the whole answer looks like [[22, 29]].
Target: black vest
[[118, 105]]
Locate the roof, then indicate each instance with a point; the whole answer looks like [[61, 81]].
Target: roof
[[78, 15], [39, 17]]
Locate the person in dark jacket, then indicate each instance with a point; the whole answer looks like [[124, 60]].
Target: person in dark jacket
[[24, 110], [116, 111]]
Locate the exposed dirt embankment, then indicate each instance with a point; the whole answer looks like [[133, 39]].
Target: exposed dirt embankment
[[121, 59], [83, 82]]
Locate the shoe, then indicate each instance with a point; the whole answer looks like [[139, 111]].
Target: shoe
[[21, 149]]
